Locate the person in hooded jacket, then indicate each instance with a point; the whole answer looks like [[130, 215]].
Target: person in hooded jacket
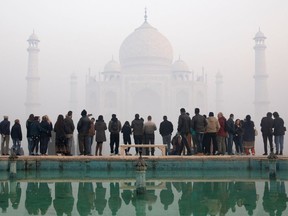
[[211, 130], [114, 128], [137, 129], [83, 126], [45, 134], [100, 127], [16, 135], [126, 130]]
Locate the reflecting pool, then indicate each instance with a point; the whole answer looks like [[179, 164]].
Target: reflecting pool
[[161, 193]]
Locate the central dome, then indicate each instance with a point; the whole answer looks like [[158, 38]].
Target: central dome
[[146, 46]]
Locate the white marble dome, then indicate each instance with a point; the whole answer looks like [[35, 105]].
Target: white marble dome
[[180, 66], [146, 46], [260, 34], [112, 66]]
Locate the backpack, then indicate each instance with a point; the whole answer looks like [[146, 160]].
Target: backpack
[[114, 126]]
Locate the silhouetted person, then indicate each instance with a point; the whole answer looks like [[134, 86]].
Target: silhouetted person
[[44, 194], [114, 201], [64, 200], [267, 131], [100, 200]]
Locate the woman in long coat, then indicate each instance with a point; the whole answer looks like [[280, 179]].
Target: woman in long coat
[[100, 127], [61, 141], [248, 135]]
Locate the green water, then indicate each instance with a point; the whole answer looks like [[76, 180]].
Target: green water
[[165, 193]]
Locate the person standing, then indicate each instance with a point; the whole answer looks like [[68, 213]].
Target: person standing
[[248, 135], [83, 126], [100, 127], [221, 134], [5, 135], [210, 135], [70, 127], [149, 136], [238, 137], [231, 131], [16, 135], [126, 130], [198, 125], [45, 134], [60, 141], [91, 132], [267, 131], [279, 132], [137, 129], [183, 129], [166, 129], [29, 136], [35, 130], [114, 128]]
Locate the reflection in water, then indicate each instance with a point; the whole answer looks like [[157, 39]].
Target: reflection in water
[[161, 197]]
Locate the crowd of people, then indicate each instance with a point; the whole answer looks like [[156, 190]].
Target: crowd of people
[[194, 136]]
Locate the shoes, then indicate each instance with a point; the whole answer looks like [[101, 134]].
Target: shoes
[[281, 153], [265, 154], [112, 154]]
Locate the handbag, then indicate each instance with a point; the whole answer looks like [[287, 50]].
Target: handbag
[[256, 132]]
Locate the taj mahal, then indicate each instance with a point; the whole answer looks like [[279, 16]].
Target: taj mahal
[[147, 80]]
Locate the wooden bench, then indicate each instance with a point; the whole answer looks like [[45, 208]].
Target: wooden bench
[[159, 146]]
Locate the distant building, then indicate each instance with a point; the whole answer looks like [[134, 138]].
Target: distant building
[[146, 81]]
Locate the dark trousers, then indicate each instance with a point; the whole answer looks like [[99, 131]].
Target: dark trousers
[[84, 144], [114, 140], [138, 140], [269, 137], [149, 139], [184, 143], [127, 140], [208, 137], [44, 140]]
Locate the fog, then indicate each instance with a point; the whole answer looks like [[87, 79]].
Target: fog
[[81, 36]]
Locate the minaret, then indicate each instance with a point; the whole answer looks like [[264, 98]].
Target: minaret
[[32, 103], [261, 100], [219, 92]]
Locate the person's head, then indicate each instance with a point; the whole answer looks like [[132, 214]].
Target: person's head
[[84, 113], [275, 114], [269, 114], [182, 110], [149, 118], [5, 117], [211, 114], [231, 116], [165, 118], [127, 123], [137, 116], [197, 111], [237, 122], [220, 114], [100, 118], [17, 121], [113, 115], [60, 117], [44, 118], [36, 118], [248, 118], [31, 117], [92, 119], [70, 113]]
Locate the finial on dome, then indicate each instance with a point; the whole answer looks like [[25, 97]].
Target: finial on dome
[[145, 15]]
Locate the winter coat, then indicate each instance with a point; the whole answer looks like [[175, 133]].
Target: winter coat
[[83, 125], [278, 126], [248, 131], [69, 124], [47, 129], [267, 125], [222, 132], [5, 127], [16, 132], [100, 127], [126, 130], [137, 126], [166, 128], [149, 127], [212, 125], [198, 123], [230, 126], [183, 124], [91, 129], [119, 126], [28, 128]]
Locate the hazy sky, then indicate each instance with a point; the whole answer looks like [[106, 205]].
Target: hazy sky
[[76, 35]]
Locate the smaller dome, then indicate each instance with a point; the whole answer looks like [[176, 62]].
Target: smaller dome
[[112, 66], [33, 37], [180, 66]]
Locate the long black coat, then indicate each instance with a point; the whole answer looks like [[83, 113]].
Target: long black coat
[[16, 132]]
